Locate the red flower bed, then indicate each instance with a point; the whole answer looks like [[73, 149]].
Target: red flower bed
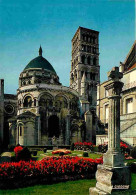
[[83, 145], [61, 150], [104, 147], [47, 167]]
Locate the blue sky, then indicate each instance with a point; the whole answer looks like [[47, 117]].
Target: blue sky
[[25, 24]]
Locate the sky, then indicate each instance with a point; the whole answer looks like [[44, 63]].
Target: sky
[[25, 24]]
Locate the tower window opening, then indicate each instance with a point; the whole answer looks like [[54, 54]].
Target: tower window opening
[[88, 60], [94, 61], [83, 59], [34, 102], [28, 101]]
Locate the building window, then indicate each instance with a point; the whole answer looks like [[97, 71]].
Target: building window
[[29, 82], [28, 101], [83, 59], [129, 105], [34, 102], [93, 76], [88, 60], [106, 93], [94, 61], [106, 113], [20, 130]]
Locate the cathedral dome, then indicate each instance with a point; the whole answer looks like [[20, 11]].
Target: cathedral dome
[[40, 62]]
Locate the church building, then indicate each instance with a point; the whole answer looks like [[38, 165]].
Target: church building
[[44, 110]]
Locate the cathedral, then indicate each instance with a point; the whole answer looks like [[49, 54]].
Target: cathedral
[[44, 110]]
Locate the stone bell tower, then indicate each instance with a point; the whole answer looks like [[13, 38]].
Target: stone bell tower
[[85, 69]]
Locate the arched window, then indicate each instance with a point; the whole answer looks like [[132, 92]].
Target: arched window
[[28, 101], [83, 59], [94, 50], [34, 102], [88, 60], [93, 76], [94, 61], [20, 130], [88, 38], [29, 82]]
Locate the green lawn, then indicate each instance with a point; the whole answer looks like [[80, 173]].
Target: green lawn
[[41, 154], [79, 187]]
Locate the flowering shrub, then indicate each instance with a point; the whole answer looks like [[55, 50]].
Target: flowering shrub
[[22, 153], [126, 155], [61, 150], [49, 166], [83, 145], [104, 147], [17, 149], [133, 152]]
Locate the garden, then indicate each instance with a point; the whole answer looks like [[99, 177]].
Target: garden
[[57, 168]]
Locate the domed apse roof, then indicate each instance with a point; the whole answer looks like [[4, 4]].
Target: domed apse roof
[[40, 62]]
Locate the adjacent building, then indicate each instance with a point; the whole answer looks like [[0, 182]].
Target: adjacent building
[[128, 102]]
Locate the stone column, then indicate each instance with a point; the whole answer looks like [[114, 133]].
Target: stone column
[[114, 154], [39, 130], [89, 126], [113, 172], [68, 129]]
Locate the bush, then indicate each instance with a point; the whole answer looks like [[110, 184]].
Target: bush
[[85, 154], [11, 148], [103, 148], [61, 153], [34, 153], [133, 152], [24, 154], [45, 150], [132, 166], [72, 147], [95, 149]]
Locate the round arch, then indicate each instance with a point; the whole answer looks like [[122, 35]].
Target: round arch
[[45, 94]]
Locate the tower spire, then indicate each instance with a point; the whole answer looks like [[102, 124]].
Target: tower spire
[[40, 51]]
